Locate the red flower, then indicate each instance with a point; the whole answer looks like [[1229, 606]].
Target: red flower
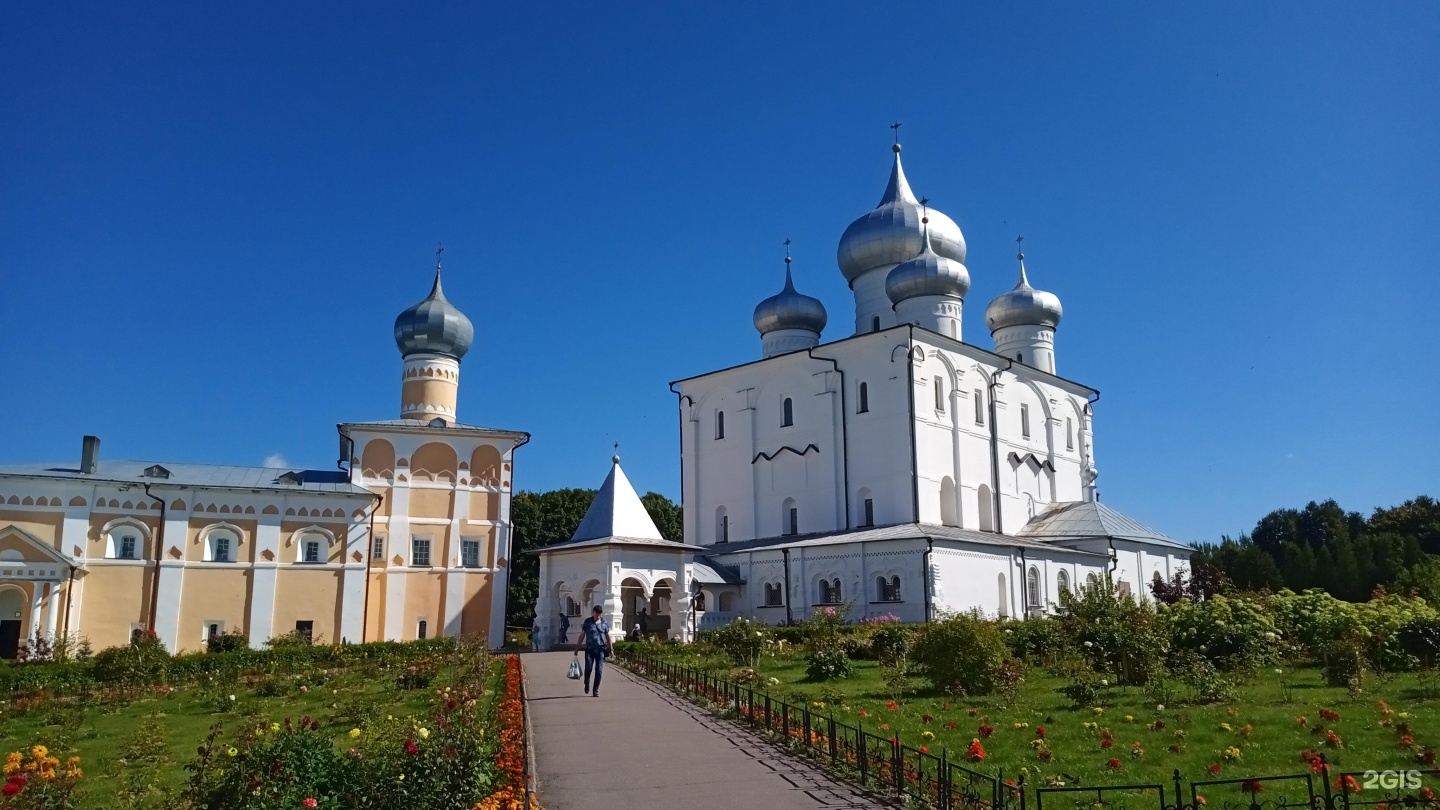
[[1215, 769], [310, 803], [410, 746], [1252, 786], [1113, 764], [1106, 743], [1040, 732]]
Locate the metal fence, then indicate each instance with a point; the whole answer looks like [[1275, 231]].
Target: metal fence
[[886, 765]]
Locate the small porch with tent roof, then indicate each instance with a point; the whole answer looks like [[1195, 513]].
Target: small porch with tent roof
[[617, 560]]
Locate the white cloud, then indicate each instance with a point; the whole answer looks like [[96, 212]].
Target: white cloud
[[275, 460]]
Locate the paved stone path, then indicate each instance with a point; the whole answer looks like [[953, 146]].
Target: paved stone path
[[640, 746]]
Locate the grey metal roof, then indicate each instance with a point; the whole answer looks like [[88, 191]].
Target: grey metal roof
[[707, 572], [196, 475], [899, 531], [597, 542], [1081, 520]]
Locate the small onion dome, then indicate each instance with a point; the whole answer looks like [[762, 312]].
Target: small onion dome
[[434, 326], [1023, 306], [892, 232], [789, 309], [927, 274]]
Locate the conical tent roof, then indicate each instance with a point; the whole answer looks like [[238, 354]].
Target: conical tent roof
[[616, 511]]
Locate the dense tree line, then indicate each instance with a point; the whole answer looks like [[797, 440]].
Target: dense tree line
[[543, 518], [1344, 553]]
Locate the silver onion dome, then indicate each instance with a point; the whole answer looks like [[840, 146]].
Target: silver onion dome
[[789, 309], [927, 274], [434, 326], [892, 232], [1023, 306]]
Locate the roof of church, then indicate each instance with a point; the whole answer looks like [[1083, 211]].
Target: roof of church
[[1083, 520], [197, 475], [898, 531], [616, 517]]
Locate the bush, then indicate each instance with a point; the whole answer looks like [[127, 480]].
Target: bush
[[961, 654], [741, 641], [891, 643], [827, 664]]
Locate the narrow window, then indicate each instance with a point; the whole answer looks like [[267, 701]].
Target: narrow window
[[719, 424], [377, 548], [1069, 434], [875, 324], [305, 629], [1025, 420], [419, 551], [979, 407], [312, 551], [864, 406], [940, 394], [794, 521], [422, 629], [787, 415], [222, 549], [470, 553], [869, 512], [127, 548]]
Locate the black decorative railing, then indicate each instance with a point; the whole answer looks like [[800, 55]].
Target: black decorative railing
[[889, 767]]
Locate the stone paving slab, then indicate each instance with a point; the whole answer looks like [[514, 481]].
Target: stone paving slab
[[641, 747]]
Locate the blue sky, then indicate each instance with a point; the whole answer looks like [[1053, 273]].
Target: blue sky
[[209, 218]]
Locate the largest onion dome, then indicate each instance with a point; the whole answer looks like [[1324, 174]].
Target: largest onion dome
[[927, 274], [1023, 306], [434, 326], [789, 309], [892, 233]]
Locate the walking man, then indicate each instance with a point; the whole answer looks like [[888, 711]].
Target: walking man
[[595, 637]]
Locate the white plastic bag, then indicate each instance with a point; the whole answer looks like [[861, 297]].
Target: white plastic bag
[[574, 673]]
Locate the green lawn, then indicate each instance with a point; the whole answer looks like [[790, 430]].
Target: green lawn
[[98, 730], [1142, 732]]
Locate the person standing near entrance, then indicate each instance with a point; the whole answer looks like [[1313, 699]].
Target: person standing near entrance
[[595, 638]]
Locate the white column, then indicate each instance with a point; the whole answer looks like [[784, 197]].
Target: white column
[[52, 618], [262, 584]]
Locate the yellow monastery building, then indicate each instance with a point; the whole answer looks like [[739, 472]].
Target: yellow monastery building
[[409, 539]]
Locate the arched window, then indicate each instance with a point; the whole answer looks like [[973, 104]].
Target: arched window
[[789, 517], [1032, 587], [949, 512], [1062, 582], [875, 324], [864, 399], [722, 525], [773, 594], [719, 424], [787, 413], [987, 508], [940, 394]]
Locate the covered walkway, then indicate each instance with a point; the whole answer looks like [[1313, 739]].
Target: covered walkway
[[640, 747]]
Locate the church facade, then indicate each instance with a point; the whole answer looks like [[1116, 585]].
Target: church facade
[[897, 471], [408, 538]]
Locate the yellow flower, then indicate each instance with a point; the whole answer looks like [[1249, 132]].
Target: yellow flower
[[354, 732]]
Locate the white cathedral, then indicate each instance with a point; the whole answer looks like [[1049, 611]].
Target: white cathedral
[[899, 470]]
